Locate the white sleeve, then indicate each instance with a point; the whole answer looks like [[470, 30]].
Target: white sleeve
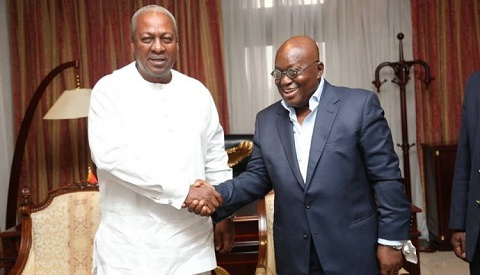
[[216, 167]]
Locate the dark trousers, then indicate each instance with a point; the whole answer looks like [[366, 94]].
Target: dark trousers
[[475, 263], [315, 267]]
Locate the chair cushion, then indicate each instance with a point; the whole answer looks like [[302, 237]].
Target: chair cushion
[[63, 234]]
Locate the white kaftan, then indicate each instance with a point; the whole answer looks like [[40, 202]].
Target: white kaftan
[[150, 142]]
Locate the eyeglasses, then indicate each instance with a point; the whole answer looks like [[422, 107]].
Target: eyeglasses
[[291, 73]]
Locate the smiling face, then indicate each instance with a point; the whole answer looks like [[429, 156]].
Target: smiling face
[[154, 43], [298, 53]]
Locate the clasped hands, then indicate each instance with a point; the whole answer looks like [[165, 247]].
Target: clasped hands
[[202, 198]]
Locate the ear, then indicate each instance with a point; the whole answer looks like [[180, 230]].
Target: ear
[[132, 51], [320, 68]]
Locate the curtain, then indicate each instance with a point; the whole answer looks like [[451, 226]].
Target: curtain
[[354, 37], [6, 117], [446, 35], [47, 33], [253, 29]]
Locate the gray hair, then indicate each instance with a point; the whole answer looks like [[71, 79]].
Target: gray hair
[[133, 25]]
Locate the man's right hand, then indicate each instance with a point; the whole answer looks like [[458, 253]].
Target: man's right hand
[[458, 244], [202, 198]]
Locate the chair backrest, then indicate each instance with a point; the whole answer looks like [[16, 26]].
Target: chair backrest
[[57, 234], [239, 153], [266, 251], [232, 141]]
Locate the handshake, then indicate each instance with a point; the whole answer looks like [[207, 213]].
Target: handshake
[[202, 198]]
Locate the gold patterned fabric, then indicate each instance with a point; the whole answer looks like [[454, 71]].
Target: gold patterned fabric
[[63, 233]]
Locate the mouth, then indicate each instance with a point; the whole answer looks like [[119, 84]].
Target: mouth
[[158, 61], [290, 91]]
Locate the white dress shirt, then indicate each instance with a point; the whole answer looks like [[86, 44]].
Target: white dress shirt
[[302, 133]]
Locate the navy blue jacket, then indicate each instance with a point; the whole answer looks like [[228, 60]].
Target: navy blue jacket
[[465, 204]]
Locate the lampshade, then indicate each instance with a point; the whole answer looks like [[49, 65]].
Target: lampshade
[[71, 104]]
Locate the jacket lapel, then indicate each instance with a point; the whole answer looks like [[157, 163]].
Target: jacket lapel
[[285, 132], [326, 113]]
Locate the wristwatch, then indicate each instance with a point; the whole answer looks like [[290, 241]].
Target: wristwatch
[[396, 247]]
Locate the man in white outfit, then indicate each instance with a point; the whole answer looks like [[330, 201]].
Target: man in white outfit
[[153, 131]]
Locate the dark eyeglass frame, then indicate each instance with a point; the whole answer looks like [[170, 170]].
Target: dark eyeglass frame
[[290, 73]]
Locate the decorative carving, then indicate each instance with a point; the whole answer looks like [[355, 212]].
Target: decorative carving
[[240, 152]]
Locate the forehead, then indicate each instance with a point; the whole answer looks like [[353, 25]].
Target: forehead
[[153, 21], [290, 56]]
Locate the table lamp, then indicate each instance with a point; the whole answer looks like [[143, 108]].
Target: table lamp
[[70, 105]]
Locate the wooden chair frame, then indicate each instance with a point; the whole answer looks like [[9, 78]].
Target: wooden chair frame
[[265, 244]]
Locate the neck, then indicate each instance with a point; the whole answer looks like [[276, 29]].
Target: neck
[[163, 79], [302, 113]]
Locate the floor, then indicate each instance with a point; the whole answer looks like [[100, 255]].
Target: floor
[[442, 263], [433, 263]]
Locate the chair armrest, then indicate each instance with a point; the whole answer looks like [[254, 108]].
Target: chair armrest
[[260, 271], [25, 246], [262, 238]]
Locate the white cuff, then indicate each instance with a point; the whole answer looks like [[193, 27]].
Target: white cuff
[[410, 252]]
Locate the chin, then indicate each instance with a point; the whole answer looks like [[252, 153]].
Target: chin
[[291, 103]]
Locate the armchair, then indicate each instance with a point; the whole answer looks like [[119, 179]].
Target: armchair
[[57, 234]]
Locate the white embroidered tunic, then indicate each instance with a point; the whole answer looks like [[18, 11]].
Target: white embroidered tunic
[[150, 142]]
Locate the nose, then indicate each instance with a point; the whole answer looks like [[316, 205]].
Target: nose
[[157, 45], [284, 79]]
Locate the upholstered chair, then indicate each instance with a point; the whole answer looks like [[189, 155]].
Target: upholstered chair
[[57, 234]]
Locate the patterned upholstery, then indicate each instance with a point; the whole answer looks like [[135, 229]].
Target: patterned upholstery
[[266, 257], [57, 235]]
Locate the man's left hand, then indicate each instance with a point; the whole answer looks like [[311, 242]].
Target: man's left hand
[[224, 236], [389, 259]]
